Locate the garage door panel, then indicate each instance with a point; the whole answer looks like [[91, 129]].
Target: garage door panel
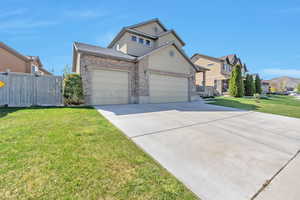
[[109, 87], [168, 89]]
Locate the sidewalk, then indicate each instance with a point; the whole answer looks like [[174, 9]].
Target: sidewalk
[[285, 185]]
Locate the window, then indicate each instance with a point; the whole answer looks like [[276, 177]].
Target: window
[[118, 47], [155, 29], [226, 68], [210, 64], [148, 43], [141, 40], [133, 38], [34, 69]]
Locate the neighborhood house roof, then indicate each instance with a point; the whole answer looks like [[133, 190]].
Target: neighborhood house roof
[[197, 55], [13, 51], [25, 58]]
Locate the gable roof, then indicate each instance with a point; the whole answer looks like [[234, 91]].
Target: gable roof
[[232, 58], [148, 22], [130, 29], [196, 56], [13, 51], [25, 58], [196, 67], [97, 50], [174, 33]]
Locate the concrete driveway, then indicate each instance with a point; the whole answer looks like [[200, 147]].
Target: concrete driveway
[[219, 153]]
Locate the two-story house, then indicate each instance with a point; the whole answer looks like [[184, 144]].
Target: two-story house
[[13, 61], [144, 63], [219, 70]]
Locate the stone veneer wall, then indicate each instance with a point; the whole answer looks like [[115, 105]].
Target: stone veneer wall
[[192, 85], [89, 62], [143, 80]]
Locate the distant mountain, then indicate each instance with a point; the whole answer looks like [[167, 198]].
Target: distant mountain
[[285, 82]]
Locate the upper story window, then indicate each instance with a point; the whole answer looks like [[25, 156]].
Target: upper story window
[[133, 38], [148, 43], [141, 40], [34, 69], [226, 68]]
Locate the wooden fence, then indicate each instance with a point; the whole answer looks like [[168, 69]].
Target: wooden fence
[[22, 90]]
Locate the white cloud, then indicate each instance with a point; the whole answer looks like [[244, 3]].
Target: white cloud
[[85, 14], [105, 39], [24, 24], [18, 20], [282, 72]]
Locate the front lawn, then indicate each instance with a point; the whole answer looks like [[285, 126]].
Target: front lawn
[[276, 104], [74, 153]]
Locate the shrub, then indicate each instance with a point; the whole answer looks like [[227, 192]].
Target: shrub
[[236, 83], [73, 92], [298, 88], [258, 84]]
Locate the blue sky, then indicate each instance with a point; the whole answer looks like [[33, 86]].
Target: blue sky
[[265, 34]]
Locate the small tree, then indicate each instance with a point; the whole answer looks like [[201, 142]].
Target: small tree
[[236, 83], [249, 85], [257, 84]]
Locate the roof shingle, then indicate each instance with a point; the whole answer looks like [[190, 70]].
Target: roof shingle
[[102, 51]]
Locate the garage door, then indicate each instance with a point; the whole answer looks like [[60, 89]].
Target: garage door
[[109, 87], [168, 89]]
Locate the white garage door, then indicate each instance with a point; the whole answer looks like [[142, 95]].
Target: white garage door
[[168, 89], [109, 87]]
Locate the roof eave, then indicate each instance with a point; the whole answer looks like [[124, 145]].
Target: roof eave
[[14, 52], [148, 22], [74, 57], [208, 57], [105, 55]]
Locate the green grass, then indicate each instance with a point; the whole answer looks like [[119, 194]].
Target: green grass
[[74, 153], [276, 104]]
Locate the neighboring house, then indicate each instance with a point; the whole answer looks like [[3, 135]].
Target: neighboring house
[[219, 70], [13, 61], [145, 63], [265, 86]]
